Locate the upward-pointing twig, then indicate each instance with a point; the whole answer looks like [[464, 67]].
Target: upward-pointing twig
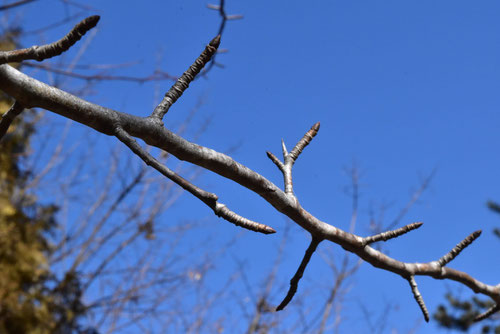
[[418, 297], [183, 82], [54, 49], [447, 258], [391, 234]]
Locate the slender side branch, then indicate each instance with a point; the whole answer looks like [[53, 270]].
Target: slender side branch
[[308, 137], [447, 258], [15, 4], [183, 82], [54, 49], [210, 199], [384, 236], [418, 297], [294, 282], [9, 117], [489, 312], [276, 161]]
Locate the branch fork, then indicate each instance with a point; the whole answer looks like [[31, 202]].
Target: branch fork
[[290, 158]]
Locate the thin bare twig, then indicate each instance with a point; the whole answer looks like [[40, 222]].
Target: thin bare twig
[[294, 282], [448, 257], [210, 199], [384, 236], [183, 82], [51, 50], [224, 18]]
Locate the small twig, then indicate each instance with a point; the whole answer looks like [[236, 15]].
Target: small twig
[[183, 82], [210, 199], [418, 297], [304, 142], [156, 76], [9, 117], [54, 49], [384, 236], [294, 282], [492, 310], [15, 4], [447, 258], [222, 12], [276, 161]]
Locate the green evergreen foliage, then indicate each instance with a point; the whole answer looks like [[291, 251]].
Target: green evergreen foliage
[[459, 315]]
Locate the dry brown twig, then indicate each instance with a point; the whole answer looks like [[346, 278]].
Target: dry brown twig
[[32, 93]]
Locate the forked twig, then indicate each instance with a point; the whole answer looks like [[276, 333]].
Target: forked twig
[[290, 158], [54, 49]]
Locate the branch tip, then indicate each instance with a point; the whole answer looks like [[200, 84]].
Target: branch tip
[[315, 127], [90, 22], [215, 42]]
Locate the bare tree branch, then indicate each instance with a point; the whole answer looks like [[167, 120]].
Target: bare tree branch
[[294, 282], [183, 82], [51, 50], [32, 93]]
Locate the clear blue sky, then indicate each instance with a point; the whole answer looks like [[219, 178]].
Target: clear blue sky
[[401, 87]]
